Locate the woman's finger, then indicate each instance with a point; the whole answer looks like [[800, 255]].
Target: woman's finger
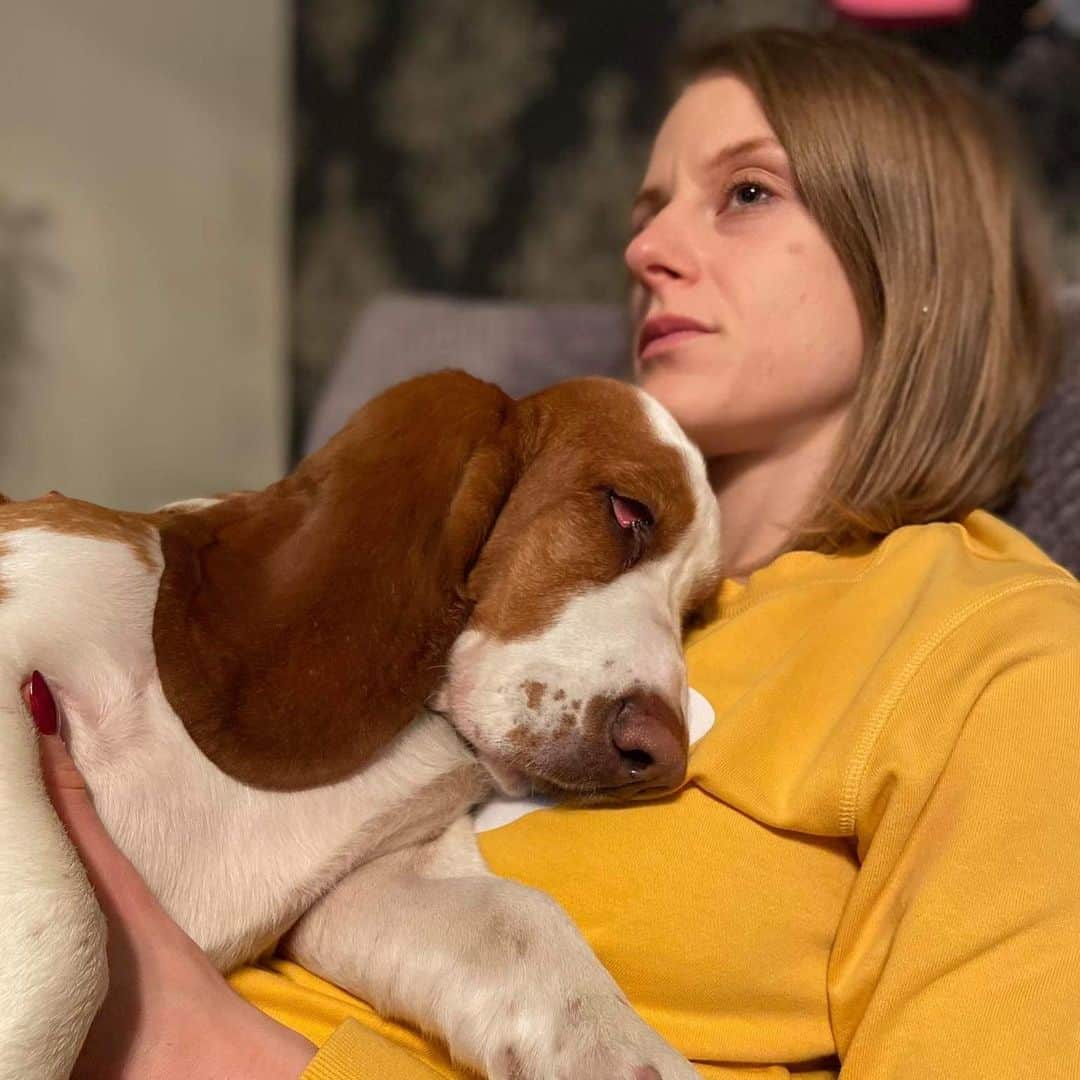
[[64, 781], [116, 882], [61, 775]]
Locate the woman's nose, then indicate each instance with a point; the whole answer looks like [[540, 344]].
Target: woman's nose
[[660, 253]]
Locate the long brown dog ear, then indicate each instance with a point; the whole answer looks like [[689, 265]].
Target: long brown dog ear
[[299, 629], [486, 483]]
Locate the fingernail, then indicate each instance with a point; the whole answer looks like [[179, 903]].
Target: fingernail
[[42, 705]]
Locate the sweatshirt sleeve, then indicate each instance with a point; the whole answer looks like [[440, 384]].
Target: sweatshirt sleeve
[[354, 1052], [959, 952]]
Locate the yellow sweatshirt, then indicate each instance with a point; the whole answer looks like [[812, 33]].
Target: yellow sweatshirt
[[873, 869]]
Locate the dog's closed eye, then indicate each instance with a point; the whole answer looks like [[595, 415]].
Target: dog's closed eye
[[635, 520]]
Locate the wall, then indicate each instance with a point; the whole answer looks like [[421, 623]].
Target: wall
[[144, 173]]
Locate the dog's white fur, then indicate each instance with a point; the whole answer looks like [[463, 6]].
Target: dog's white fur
[[374, 881]]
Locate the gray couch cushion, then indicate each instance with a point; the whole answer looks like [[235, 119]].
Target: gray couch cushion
[[1047, 506], [520, 347]]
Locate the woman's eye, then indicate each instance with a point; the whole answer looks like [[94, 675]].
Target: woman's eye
[[748, 194]]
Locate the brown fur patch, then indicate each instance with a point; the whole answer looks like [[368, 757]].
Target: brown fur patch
[[73, 517], [522, 738], [534, 693], [557, 535]]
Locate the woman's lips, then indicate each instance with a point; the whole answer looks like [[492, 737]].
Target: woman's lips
[[666, 332], [668, 342]]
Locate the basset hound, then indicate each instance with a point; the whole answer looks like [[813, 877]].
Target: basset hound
[[267, 691]]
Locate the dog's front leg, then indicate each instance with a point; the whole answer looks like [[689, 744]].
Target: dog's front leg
[[53, 972], [495, 969]]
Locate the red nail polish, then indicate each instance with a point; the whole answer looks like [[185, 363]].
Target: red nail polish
[[42, 705]]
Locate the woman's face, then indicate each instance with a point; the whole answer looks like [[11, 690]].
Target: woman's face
[[746, 327]]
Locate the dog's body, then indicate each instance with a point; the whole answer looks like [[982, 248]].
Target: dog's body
[[245, 685]]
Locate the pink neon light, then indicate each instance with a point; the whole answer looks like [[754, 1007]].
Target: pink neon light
[[904, 9]]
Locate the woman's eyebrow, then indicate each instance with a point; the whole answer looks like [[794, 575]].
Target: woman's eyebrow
[[654, 198], [743, 146], [724, 155]]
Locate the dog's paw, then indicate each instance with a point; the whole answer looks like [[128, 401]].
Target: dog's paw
[[595, 1038]]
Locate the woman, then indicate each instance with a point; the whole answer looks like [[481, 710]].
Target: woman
[[873, 867]]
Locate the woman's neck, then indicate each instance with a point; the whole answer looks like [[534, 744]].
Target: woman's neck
[[763, 495]]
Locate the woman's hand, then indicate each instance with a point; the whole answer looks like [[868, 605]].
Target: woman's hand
[[168, 1013]]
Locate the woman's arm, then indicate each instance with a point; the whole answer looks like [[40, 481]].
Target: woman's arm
[[959, 954]]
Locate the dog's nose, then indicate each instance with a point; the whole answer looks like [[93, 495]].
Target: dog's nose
[[650, 739]]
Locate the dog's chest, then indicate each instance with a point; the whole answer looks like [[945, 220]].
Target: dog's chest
[[236, 865]]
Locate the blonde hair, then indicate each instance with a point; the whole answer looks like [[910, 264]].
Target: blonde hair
[[916, 181]]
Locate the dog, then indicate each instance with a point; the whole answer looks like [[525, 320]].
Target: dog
[[286, 702]]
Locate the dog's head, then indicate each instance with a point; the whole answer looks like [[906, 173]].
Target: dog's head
[[569, 675], [549, 546]]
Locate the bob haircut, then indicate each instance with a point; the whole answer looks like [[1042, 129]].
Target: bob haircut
[[918, 184]]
